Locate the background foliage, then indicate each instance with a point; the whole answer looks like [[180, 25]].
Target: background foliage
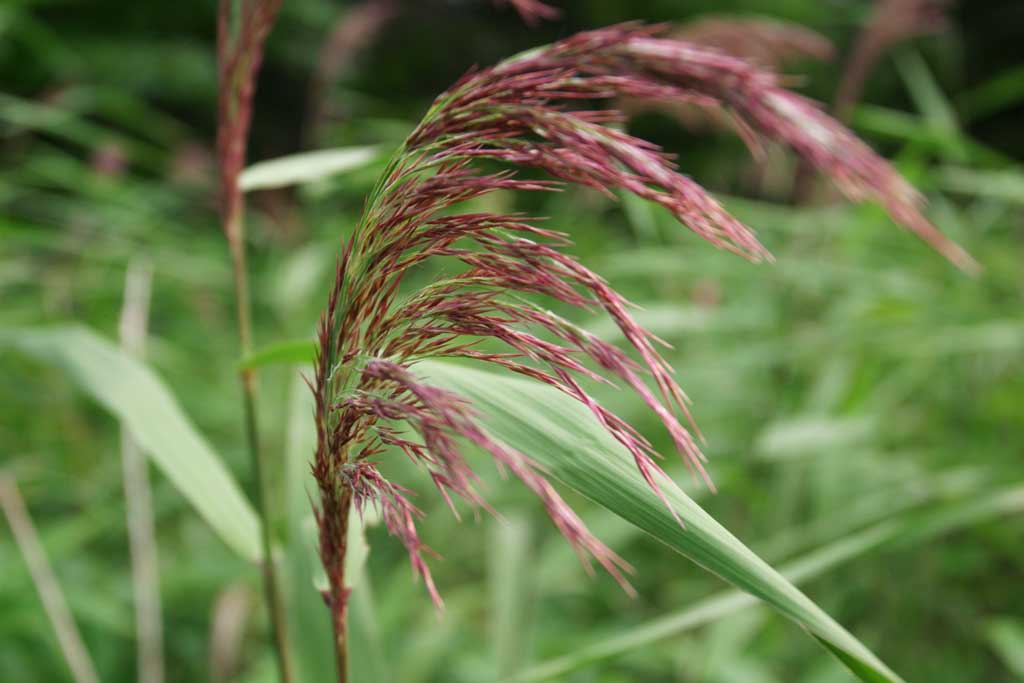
[[863, 401]]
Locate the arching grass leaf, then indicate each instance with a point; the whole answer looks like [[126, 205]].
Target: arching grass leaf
[[563, 437], [139, 399]]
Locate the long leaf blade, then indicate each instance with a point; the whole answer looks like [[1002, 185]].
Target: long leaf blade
[[563, 437], [140, 400], [307, 167]]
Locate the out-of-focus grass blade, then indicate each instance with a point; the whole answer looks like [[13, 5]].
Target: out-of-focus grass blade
[[911, 491], [69, 125], [367, 663], [510, 583], [1006, 636], [723, 654], [1002, 91], [640, 214], [811, 434], [670, 321], [140, 400], [297, 351], [565, 438], [1006, 185], [906, 529], [899, 125], [927, 96], [55, 604], [307, 167]]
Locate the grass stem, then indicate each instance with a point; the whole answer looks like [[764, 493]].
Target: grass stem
[[239, 53], [138, 494], [234, 228], [340, 594], [70, 640]]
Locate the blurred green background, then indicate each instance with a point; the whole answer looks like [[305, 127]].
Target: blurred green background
[[863, 401]]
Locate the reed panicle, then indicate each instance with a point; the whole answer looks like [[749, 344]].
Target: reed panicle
[[768, 43], [242, 29], [529, 112]]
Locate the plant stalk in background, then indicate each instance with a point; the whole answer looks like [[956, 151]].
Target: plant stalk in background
[[891, 22], [138, 495], [54, 603], [355, 30], [521, 113], [242, 28]]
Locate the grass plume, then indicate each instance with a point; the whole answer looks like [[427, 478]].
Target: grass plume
[[529, 112]]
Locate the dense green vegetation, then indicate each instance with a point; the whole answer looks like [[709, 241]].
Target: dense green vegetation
[[863, 401]]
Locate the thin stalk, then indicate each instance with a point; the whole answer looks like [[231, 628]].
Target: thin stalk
[[242, 28], [333, 519], [339, 596], [70, 640], [275, 605], [336, 502], [271, 586], [230, 614], [138, 495]]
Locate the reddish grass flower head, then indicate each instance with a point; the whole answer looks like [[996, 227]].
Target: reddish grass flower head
[[530, 111], [769, 43], [242, 29]]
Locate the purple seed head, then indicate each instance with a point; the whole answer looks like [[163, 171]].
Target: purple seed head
[[528, 112]]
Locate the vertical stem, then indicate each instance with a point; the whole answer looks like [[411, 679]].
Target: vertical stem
[[339, 593], [866, 53], [339, 621], [356, 28], [137, 493], [46, 583], [328, 469], [242, 27], [275, 607]]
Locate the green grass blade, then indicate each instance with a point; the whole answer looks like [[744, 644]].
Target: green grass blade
[[907, 529], [511, 578], [367, 663], [1006, 637], [996, 94], [904, 127], [564, 438], [926, 93], [297, 351], [307, 167], [141, 401], [1005, 185]]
